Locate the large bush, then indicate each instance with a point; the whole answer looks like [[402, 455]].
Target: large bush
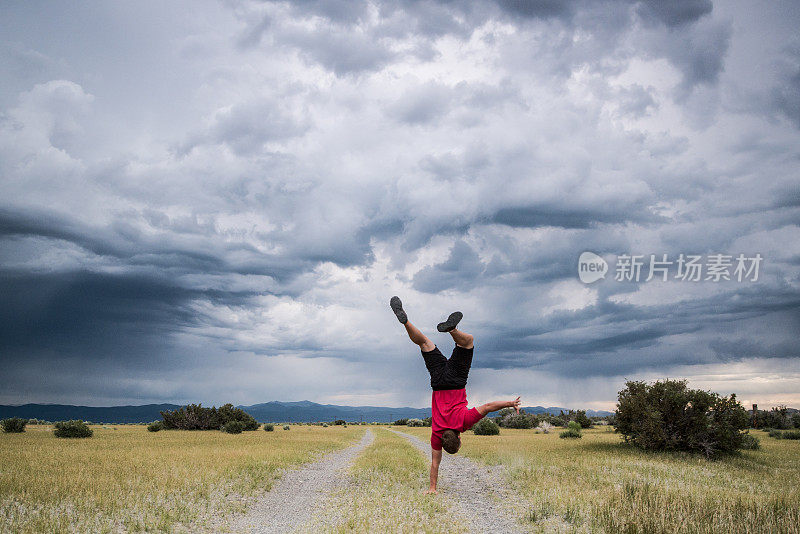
[[72, 429], [196, 417], [14, 425], [269, 427], [415, 422], [401, 422], [486, 427], [667, 416], [155, 426]]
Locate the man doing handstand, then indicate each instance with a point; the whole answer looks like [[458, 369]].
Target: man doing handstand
[[449, 413]]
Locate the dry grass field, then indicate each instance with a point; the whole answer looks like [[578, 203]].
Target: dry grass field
[[125, 478], [384, 493], [597, 484], [128, 479]]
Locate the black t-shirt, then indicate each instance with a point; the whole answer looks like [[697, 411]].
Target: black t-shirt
[[448, 373]]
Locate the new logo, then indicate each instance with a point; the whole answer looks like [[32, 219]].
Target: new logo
[[591, 267]]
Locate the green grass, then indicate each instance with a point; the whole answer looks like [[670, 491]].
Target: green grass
[[385, 492], [598, 484], [126, 478]]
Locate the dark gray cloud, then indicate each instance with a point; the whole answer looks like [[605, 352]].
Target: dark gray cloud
[[786, 95], [218, 205], [674, 14]]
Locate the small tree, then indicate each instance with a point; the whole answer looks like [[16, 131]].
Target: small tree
[[155, 426], [14, 425], [269, 427], [486, 427], [72, 429], [582, 419], [401, 422]]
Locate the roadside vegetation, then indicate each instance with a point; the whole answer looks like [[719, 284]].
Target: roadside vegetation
[[601, 484]]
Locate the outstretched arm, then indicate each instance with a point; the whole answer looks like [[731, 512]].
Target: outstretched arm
[[436, 458], [493, 406]]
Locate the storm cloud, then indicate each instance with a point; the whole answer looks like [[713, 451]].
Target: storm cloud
[[214, 201]]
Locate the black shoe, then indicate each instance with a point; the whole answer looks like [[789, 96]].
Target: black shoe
[[397, 308], [450, 323]]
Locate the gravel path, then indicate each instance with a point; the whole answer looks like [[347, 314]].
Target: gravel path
[[298, 495], [479, 493]]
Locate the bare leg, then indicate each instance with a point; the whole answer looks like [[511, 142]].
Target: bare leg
[[462, 339], [425, 344]]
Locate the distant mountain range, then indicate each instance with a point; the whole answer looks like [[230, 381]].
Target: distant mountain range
[[275, 411]]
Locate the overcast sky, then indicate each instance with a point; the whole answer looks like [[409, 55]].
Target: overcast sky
[[214, 201]]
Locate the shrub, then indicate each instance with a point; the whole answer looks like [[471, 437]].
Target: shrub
[[233, 427], [559, 421], [415, 422], [582, 419], [286, 427], [340, 422], [325, 425], [195, 417], [775, 433], [428, 421], [155, 426], [574, 425], [545, 427], [72, 429], [796, 420], [791, 434], [486, 427], [269, 427], [34, 421], [777, 417], [570, 433], [667, 416], [401, 422], [14, 425], [512, 420], [750, 443]]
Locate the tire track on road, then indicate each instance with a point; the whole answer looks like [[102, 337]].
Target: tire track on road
[[299, 494], [479, 494]]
